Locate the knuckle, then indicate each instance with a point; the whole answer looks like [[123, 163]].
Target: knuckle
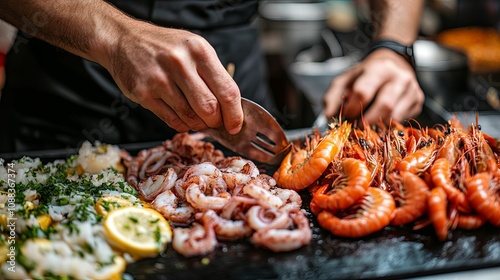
[[360, 93], [407, 77], [140, 93], [386, 105], [229, 94], [199, 45], [175, 122], [209, 107], [188, 114], [192, 119]]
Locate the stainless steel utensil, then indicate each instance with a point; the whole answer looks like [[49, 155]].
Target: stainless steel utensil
[[261, 138]]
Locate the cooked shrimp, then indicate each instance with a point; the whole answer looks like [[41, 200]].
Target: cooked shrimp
[[195, 240], [153, 162], [172, 208], [259, 217], [419, 161], [285, 239], [469, 221], [485, 158], [265, 197], [482, 192], [438, 213], [196, 196], [450, 149], [441, 177], [239, 165], [297, 176], [224, 228], [373, 213], [235, 181], [237, 206], [291, 199], [350, 186], [156, 184], [410, 195], [199, 172]]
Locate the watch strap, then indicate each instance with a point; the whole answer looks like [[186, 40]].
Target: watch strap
[[403, 50]]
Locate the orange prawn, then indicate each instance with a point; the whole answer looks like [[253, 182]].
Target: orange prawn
[[482, 192], [450, 149], [391, 156], [485, 158], [373, 212], [438, 213], [410, 195], [441, 177], [347, 188], [469, 221], [437, 133], [419, 161], [313, 160]]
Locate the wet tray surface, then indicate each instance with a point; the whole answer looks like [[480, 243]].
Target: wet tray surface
[[393, 253], [389, 254]]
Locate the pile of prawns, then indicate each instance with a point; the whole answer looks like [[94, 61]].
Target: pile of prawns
[[364, 178]]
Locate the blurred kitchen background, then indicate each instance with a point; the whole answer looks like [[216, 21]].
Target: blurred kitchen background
[[307, 43]]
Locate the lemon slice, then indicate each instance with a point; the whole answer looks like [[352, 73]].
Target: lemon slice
[[106, 204], [141, 232], [113, 271]]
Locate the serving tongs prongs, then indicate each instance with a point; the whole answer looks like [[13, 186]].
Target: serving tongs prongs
[[261, 138]]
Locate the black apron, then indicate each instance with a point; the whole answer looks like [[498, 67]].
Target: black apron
[[55, 100]]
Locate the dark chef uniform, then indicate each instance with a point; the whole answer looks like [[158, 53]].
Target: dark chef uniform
[[55, 100]]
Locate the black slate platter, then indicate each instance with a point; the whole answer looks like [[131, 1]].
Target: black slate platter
[[393, 253]]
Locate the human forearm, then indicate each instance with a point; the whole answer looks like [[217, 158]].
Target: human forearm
[[86, 28], [174, 73], [383, 86], [397, 20]]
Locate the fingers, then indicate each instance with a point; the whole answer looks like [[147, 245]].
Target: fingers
[[178, 76], [382, 87], [388, 99], [363, 93], [196, 103], [339, 88], [411, 106], [210, 91], [215, 99], [225, 90], [166, 114]]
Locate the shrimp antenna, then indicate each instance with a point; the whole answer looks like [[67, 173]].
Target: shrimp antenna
[[364, 122], [413, 120], [341, 109]]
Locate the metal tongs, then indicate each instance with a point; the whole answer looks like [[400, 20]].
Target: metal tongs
[[261, 138]]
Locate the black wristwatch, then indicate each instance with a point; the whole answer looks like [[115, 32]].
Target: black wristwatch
[[403, 50]]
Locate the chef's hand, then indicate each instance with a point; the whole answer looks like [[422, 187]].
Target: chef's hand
[[385, 81], [177, 75]]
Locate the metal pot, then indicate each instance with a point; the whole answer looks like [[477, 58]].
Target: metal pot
[[441, 71], [314, 68], [292, 25]]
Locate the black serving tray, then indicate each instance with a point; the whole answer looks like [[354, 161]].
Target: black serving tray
[[393, 253]]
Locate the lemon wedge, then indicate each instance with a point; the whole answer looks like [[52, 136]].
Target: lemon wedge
[[106, 204], [141, 232]]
